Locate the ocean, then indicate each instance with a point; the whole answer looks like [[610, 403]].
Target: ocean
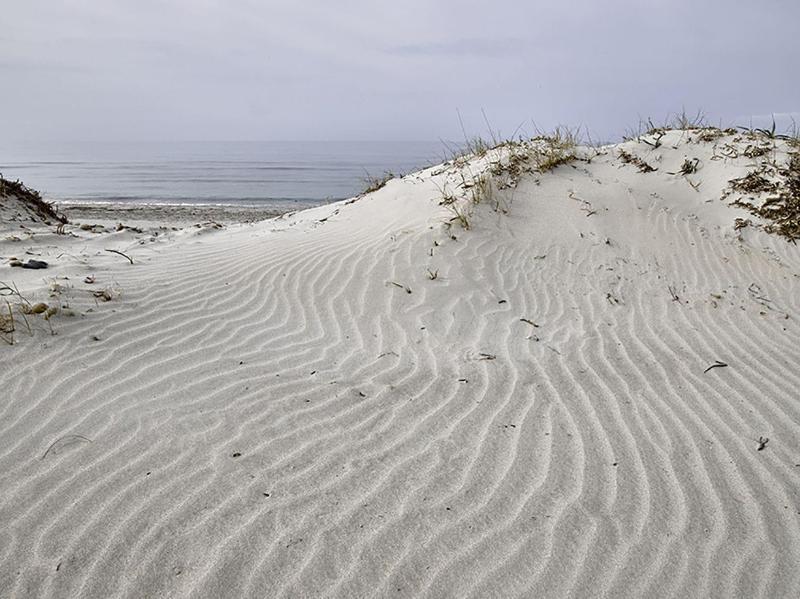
[[283, 175]]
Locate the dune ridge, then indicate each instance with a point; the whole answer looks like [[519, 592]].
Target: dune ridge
[[297, 408]]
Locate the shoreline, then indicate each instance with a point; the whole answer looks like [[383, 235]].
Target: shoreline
[[172, 214]]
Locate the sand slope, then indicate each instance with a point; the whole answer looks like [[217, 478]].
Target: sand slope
[[267, 414]]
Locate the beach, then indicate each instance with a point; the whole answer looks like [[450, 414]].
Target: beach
[[540, 370], [164, 214]]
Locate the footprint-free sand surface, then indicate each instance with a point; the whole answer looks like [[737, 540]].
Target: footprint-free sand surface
[[367, 400]]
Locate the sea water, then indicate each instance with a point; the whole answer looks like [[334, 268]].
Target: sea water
[[262, 174]]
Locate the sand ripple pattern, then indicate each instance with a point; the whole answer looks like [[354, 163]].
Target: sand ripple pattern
[[268, 415]]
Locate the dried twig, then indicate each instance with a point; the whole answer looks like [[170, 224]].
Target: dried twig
[[121, 254], [81, 437], [657, 142], [403, 287], [716, 364], [695, 186]]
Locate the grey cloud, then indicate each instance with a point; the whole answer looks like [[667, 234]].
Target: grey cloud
[[483, 48], [281, 69]]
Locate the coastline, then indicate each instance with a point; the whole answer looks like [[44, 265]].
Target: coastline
[[178, 215]]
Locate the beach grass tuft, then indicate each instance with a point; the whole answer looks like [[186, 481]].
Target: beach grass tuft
[[31, 198], [375, 183]]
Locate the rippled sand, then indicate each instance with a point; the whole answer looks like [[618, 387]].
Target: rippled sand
[[359, 400]]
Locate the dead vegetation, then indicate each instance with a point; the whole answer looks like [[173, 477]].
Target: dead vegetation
[[771, 133], [688, 167], [753, 182], [681, 121], [638, 162], [756, 151], [375, 183], [19, 313], [696, 125], [781, 206], [710, 134], [511, 160], [30, 198], [121, 254], [8, 323], [539, 154], [486, 170]]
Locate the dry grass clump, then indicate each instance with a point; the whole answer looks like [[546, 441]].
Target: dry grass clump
[[481, 190], [14, 316], [541, 154], [709, 134], [375, 183], [555, 149], [629, 158], [696, 124], [680, 121], [8, 324], [757, 150], [461, 215], [781, 209], [476, 146], [771, 133], [753, 182], [513, 160], [784, 209], [501, 166], [31, 198], [478, 190], [689, 166]]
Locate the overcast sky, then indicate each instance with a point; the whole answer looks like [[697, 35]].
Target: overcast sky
[[358, 70]]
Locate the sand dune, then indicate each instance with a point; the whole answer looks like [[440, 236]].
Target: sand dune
[[297, 408]]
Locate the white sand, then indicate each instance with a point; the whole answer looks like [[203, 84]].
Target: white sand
[[423, 444]]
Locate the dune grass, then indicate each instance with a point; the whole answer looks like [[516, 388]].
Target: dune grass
[[31, 198], [372, 184]]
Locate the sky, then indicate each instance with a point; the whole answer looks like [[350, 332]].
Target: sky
[[128, 70]]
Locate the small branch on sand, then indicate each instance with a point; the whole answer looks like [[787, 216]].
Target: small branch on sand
[[716, 364], [403, 287], [53, 444], [762, 442], [655, 143], [530, 322], [484, 356], [121, 254], [674, 295]]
